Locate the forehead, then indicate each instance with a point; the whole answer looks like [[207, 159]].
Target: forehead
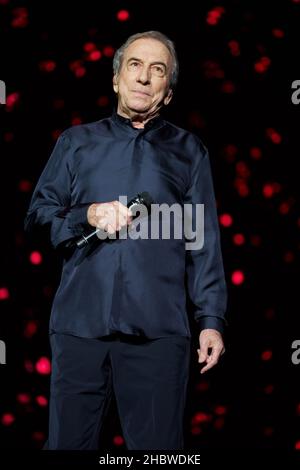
[[148, 49]]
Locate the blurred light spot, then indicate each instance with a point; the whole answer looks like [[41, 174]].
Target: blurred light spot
[[220, 410], [297, 443], [35, 258], [274, 136], [30, 329], [7, 419], [196, 430], [12, 100], [108, 51], [269, 389], [41, 400], [268, 190], [284, 208], [237, 277], [38, 436], [255, 240], [47, 66], [242, 169], [89, 46], [219, 423], [23, 398], [255, 153], [43, 366], [103, 101], [213, 69], [214, 15], [28, 365], [230, 152], [4, 293], [238, 239], [94, 56], [202, 386], [228, 87], [278, 33], [226, 220], [234, 48], [25, 186], [201, 418], [262, 65], [20, 17], [123, 15], [241, 187], [76, 120], [118, 440], [266, 355]]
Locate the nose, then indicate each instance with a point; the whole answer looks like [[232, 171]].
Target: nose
[[144, 76]]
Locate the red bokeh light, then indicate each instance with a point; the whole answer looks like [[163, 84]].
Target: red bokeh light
[[23, 398], [220, 410], [278, 33], [226, 220], [118, 440], [41, 400], [25, 186], [214, 15], [35, 258], [20, 17], [266, 355], [262, 65], [238, 239], [94, 56], [108, 51], [47, 66], [274, 136], [30, 329], [201, 418], [4, 293], [7, 419], [256, 153], [43, 366], [123, 15], [237, 277]]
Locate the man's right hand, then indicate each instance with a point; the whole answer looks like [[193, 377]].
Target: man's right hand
[[109, 216]]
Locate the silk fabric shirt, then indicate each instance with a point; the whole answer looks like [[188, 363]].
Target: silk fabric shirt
[[135, 286]]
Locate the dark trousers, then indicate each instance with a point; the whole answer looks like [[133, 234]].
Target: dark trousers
[[149, 379]]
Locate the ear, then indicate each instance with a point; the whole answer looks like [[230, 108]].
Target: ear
[[115, 84], [168, 97]]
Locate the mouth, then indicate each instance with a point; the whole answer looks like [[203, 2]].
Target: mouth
[[140, 93]]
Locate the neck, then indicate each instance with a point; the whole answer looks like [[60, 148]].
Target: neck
[[138, 120]]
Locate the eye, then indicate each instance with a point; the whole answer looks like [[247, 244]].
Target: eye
[[134, 65], [158, 70]]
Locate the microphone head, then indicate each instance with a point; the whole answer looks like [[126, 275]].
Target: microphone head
[[145, 199]]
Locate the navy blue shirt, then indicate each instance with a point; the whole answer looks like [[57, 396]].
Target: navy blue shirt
[[135, 286]]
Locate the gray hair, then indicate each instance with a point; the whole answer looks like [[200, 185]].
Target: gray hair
[[118, 57]]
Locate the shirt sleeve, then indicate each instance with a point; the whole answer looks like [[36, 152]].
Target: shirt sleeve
[[50, 208], [205, 279]]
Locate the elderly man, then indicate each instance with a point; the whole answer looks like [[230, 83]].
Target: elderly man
[[119, 319]]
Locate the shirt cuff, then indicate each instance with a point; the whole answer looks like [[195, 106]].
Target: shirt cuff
[[215, 323]]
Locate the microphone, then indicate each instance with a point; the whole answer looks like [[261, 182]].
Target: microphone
[[143, 198]]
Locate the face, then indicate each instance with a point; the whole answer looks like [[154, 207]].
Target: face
[[143, 82]]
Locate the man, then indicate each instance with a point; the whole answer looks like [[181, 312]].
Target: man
[[119, 317]]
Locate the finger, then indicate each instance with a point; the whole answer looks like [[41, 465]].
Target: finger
[[202, 353], [212, 360]]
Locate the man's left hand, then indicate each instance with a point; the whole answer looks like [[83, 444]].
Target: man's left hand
[[211, 348]]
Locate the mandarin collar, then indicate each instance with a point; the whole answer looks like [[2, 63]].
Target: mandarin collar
[[154, 123]]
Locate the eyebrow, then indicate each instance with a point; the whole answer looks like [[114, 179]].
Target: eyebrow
[[152, 63]]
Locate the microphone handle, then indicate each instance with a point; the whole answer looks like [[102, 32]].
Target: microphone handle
[[85, 238]]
